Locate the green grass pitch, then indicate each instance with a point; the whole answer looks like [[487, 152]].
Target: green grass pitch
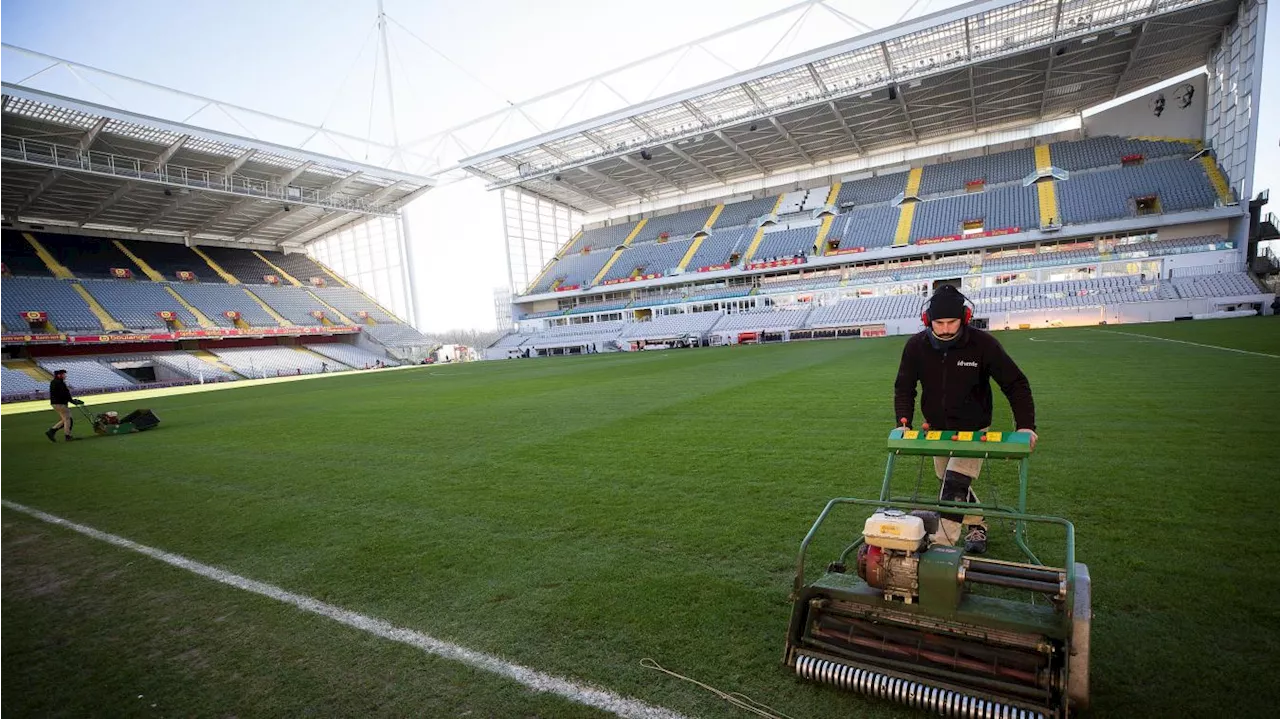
[[577, 515]]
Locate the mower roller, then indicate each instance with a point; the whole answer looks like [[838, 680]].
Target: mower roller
[[934, 628], [109, 423]]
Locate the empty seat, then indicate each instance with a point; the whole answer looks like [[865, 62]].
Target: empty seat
[[20, 257], [745, 212], [136, 303], [350, 355], [66, 309], [170, 258], [214, 301]]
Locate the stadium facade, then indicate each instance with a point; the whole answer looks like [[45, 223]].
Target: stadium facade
[[1064, 163]]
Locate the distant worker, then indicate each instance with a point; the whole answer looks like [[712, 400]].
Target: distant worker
[[60, 397], [954, 363]]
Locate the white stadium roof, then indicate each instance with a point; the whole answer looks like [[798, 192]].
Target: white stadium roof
[[72, 163], [979, 66]]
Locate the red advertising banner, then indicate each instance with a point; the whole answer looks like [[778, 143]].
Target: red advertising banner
[[637, 278], [876, 331], [32, 339], [167, 315], [271, 279], [566, 288], [776, 263], [317, 282], [318, 314], [231, 315], [713, 268], [186, 276], [122, 273], [179, 335], [848, 251], [974, 236], [35, 318]]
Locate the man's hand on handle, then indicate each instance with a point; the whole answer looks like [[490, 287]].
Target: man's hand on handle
[[1033, 434], [77, 402]]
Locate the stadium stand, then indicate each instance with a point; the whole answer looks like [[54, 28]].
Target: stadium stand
[[67, 310], [214, 301], [86, 256], [1224, 285], [763, 320], [87, 374], [135, 304], [169, 259], [244, 265], [675, 225], [650, 257], [1110, 151], [15, 384], [573, 270], [294, 304], [350, 356], [601, 238], [192, 367], [787, 243], [298, 266], [1000, 208], [871, 190], [866, 227], [1110, 194], [351, 302], [864, 310], [20, 257], [672, 326], [746, 212], [719, 246], [270, 361], [995, 169], [394, 334]]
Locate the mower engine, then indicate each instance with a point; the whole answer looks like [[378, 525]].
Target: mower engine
[[890, 559]]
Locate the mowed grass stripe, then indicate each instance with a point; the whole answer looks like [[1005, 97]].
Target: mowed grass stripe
[[530, 678], [579, 514]]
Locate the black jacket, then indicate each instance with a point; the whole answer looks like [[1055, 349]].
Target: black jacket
[[956, 384], [58, 392]]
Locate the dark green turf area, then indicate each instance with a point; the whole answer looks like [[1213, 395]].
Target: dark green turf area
[[576, 515]]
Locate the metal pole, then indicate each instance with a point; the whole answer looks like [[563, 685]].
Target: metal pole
[[386, 61], [406, 259], [506, 237]]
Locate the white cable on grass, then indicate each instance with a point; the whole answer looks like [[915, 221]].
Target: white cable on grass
[[742, 701]]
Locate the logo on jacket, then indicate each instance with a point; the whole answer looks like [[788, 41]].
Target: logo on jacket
[[964, 363]]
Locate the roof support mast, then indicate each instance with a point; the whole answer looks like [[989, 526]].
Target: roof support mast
[[402, 222]]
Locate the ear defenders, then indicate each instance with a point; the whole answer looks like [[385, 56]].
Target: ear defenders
[[965, 319]]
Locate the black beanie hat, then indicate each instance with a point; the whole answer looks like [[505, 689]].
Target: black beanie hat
[[946, 304]]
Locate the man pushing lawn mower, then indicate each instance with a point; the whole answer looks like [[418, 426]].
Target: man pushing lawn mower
[[60, 397], [954, 363]]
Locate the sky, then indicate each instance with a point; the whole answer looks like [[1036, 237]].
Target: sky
[[314, 61]]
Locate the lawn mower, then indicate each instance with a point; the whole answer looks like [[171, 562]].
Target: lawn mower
[[108, 423], [938, 629]]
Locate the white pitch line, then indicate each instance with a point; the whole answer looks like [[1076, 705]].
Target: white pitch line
[[531, 678], [1184, 342]]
